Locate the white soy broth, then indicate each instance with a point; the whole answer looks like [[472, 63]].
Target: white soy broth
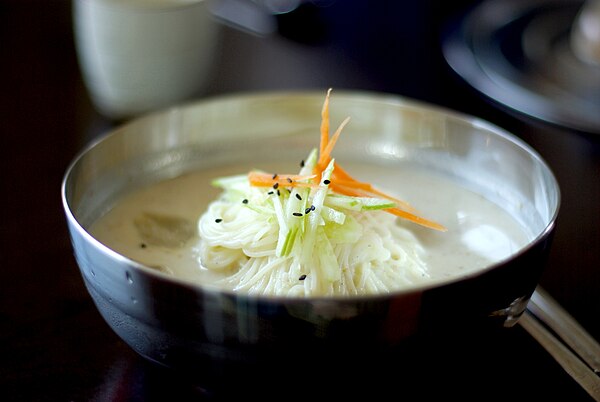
[[479, 233]]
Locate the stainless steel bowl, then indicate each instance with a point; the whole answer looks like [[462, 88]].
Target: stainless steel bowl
[[214, 335]]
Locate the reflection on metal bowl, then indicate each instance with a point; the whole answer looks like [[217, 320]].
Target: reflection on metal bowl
[[216, 335]]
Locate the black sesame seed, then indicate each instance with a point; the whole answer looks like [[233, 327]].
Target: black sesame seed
[[274, 176], [289, 180], [302, 277], [245, 201], [278, 193], [297, 214], [270, 193], [275, 186], [302, 163], [307, 210], [326, 181], [143, 245], [298, 196], [218, 220]]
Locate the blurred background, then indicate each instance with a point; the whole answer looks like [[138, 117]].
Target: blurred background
[[53, 343]]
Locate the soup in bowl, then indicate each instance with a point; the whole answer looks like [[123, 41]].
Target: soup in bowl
[[267, 229]]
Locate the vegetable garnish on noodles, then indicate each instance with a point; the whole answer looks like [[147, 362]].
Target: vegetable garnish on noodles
[[318, 232], [340, 182]]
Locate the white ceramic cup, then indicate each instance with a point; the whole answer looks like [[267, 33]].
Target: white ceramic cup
[[141, 55]]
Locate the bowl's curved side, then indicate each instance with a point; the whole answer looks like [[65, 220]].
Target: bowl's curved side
[[213, 336]]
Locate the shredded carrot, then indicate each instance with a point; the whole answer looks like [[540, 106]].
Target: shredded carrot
[[260, 179], [324, 123], [361, 189], [341, 181], [341, 173], [416, 219], [325, 155]]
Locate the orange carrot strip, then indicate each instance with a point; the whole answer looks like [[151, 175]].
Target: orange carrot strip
[[366, 190], [416, 219], [339, 187], [342, 177], [395, 211], [341, 173], [325, 156], [324, 123], [260, 179], [344, 190], [351, 183]]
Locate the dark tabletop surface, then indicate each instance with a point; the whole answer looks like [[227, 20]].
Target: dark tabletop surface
[[53, 343]]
